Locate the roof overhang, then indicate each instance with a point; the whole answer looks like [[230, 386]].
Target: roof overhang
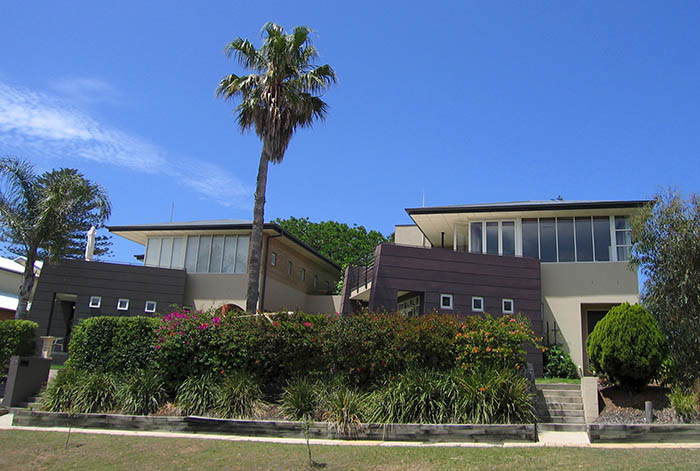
[[439, 220]]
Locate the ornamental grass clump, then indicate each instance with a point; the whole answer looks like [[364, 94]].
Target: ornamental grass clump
[[141, 393], [238, 396], [300, 399], [344, 409], [94, 393], [60, 392], [198, 395], [494, 397]]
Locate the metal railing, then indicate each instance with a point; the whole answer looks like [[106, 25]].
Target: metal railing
[[360, 272]]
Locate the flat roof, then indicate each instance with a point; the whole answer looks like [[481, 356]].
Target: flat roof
[[542, 205], [215, 224]]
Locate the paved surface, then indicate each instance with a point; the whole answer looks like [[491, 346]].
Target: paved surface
[[546, 439]]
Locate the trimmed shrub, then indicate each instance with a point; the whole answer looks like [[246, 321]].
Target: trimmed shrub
[[141, 393], [626, 346], [558, 363], [238, 397], [114, 344], [488, 343], [17, 337]]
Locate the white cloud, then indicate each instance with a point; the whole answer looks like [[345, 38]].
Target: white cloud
[[32, 121], [86, 90]]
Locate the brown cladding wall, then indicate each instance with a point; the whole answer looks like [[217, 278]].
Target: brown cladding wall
[[300, 259], [432, 272], [111, 281]]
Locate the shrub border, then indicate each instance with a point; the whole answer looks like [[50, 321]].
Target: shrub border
[[282, 429]]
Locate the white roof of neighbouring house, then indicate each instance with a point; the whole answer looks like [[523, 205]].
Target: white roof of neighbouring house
[[8, 301], [17, 265]]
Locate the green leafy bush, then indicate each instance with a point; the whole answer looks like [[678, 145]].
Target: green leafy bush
[[239, 395], [114, 344], [141, 393], [488, 343], [558, 363], [198, 395], [685, 403], [17, 337], [626, 346], [60, 392]]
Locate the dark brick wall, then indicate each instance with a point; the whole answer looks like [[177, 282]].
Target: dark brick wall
[[111, 281]]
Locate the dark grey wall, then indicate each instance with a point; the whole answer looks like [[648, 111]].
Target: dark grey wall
[[437, 271], [109, 280]]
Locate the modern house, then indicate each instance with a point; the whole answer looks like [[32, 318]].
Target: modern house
[[201, 264], [563, 264]]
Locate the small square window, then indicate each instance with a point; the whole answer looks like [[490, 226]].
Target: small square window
[[446, 301], [95, 301], [508, 306], [273, 259], [478, 304], [150, 306], [123, 304], [289, 267], [303, 274]]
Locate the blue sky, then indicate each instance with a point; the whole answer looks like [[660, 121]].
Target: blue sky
[[467, 101]]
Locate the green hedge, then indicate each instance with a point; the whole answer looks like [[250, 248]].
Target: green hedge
[[17, 337], [113, 344]]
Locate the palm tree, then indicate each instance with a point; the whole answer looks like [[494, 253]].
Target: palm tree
[[277, 97], [45, 216]]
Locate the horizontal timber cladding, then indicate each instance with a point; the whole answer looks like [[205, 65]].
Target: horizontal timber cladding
[[432, 272], [76, 281]]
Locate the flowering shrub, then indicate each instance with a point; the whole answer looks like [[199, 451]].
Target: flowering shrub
[[490, 343]]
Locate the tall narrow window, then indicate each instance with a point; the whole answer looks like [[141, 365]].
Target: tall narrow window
[[153, 251], [530, 239], [191, 254], [166, 252], [601, 238], [230, 245], [303, 274], [289, 267], [565, 236], [508, 237], [492, 237], [584, 240], [315, 281], [475, 240], [178, 252], [242, 254], [548, 240], [217, 254], [203, 254], [623, 238], [273, 259]]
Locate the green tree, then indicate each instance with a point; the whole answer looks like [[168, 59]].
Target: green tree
[[279, 96], [666, 237], [335, 240], [46, 217]]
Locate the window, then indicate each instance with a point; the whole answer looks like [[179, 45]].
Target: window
[[531, 244], [565, 239], [508, 306], [315, 281], [584, 239], [446, 301], [548, 240], [623, 238], [601, 239], [289, 267], [478, 304], [123, 304], [410, 307], [492, 237], [95, 301], [210, 254], [475, 240], [273, 259], [303, 274], [165, 252], [508, 238], [150, 306]]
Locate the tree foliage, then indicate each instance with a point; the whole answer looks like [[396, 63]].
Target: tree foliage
[[337, 241], [666, 247], [280, 95], [47, 216]]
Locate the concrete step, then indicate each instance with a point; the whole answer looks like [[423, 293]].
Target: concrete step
[[556, 393], [558, 427], [560, 400], [558, 387], [555, 406], [29, 405], [560, 419], [562, 412]]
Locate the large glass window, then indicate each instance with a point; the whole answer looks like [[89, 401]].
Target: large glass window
[[199, 254], [548, 240], [508, 237], [623, 237], [461, 240], [475, 237], [165, 252], [530, 239], [601, 238], [217, 254], [203, 254], [584, 240], [153, 251], [191, 255], [492, 238], [565, 237]]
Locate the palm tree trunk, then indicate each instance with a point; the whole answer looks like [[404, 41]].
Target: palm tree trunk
[[25, 289], [256, 236]]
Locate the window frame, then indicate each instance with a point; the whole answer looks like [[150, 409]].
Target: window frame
[[480, 298], [273, 259], [119, 302], [150, 311], [503, 306], [303, 274], [289, 267], [447, 296], [91, 305], [484, 236]]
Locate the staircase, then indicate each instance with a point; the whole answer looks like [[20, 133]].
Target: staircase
[[559, 408]]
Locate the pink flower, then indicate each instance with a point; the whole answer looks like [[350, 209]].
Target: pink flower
[[157, 347], [308, 324]]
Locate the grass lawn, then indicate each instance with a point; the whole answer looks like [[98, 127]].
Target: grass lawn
[[557, 380], [45, 450]]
